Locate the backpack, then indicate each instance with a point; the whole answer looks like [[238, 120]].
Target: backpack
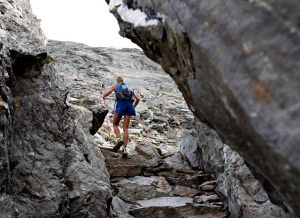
[[123, 92]]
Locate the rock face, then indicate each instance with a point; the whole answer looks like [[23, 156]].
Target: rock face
[[241, 192], [50, 165], [20, 30], [237, 66], [164, 116]]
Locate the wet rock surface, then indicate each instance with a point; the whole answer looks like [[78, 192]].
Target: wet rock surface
[[237, 66]]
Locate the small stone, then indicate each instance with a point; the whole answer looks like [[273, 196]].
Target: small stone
[[260, 197], [208, 188], [206, 199]]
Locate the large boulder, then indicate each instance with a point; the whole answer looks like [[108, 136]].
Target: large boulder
[[50, 164], [237, 65]]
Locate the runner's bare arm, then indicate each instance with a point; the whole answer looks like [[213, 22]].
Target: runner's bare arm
[[136, 100], [109, 91]]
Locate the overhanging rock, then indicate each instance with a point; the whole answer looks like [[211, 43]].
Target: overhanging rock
[[237, 65]]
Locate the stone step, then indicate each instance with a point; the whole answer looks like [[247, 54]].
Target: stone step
[[165, 202], [175, 207], [156, 187], [187, 180], [208, 186], [133, 165], [185, 191], [119, 208], [140, 188]]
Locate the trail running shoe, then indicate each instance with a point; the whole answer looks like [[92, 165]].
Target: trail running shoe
[[124, 152], [118, 145]]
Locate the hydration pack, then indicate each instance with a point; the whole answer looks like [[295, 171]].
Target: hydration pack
[[123, 92]]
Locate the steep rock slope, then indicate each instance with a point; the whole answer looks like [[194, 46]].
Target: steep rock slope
[[87, 71], [237, 66], [83, 71]]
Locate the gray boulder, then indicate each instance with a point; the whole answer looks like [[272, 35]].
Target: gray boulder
[[190, 149]]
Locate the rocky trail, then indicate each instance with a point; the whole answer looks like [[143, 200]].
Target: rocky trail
[[177, 166], [157, 178], [235, 155], [145, 184]]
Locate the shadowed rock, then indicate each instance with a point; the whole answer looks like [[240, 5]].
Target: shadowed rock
[[98, 119]]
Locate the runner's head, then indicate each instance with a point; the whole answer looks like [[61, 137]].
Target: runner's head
[[120, 79]]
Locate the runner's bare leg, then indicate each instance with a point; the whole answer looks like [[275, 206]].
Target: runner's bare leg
[[125, 129], [116, 121]]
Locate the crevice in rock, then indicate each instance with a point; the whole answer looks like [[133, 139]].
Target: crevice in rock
[[86, 157], [27, 66], [272, 193], [109, 206], [52, 126]]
